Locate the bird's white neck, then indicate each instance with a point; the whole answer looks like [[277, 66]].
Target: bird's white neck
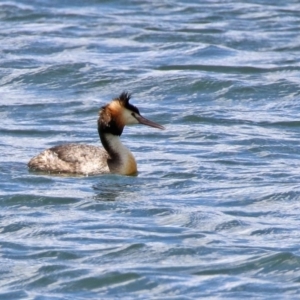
[[121, 160]]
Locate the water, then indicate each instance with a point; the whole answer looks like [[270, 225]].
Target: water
[[214, 211]]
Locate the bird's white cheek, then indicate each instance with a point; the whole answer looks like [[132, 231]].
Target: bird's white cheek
[[129, 118]]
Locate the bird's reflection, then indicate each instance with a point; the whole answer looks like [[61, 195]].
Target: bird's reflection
[[115, 188]]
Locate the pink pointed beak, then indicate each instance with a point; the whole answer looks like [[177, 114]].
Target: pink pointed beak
[[147, 122]]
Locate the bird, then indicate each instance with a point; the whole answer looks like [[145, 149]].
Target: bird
[[82, 159]]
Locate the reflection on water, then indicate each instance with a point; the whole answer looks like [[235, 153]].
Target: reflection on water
[[120, 189]]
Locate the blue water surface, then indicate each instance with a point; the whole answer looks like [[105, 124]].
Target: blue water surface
[[214, 211]]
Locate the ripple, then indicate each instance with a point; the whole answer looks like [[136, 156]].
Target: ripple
[[214, 209]]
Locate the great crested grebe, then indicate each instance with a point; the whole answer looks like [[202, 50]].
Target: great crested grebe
[[90, 160]]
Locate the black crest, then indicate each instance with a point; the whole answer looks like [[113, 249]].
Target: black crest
[[124, 100]]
